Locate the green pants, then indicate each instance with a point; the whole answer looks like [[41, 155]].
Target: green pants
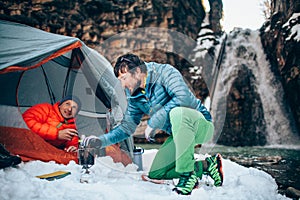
[[176, 155]]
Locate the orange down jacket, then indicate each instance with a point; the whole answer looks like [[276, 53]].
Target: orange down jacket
[[46, 120]]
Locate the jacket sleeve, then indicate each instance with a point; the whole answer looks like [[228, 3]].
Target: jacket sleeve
[[36, 119], [178, 92], [127, 127]]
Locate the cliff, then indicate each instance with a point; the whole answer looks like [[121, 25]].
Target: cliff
[[281, 43]]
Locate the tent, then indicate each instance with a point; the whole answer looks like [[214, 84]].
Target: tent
[[38, 66]]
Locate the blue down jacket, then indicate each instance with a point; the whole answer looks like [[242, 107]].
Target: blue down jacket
[[165, 89]]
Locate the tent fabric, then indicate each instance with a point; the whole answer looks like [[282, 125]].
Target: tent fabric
[[43, 46], [38, 67], [118, 155], [29, 146], [82, 72], [54, 55]]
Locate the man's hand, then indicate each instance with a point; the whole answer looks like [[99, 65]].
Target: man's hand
[[67, 134], [92, 142], [149, 134], [71, 149]]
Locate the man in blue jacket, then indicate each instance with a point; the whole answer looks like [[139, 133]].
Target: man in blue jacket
[[160, 91]]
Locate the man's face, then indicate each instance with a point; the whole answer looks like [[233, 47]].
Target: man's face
[[68, 109], [131, 81]]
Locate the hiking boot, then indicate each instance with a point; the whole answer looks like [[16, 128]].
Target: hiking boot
[[187, 182], [6, 159], [3, 150], [214, 169]]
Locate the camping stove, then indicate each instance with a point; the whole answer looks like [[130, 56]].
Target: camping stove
[[86, 157]]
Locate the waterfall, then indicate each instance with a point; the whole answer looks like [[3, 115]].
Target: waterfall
[[279, 124]]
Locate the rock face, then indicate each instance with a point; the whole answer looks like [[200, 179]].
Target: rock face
[[244, 124], [215, 15], [95, 21], [282, 47]]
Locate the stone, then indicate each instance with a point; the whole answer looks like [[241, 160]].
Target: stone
[[292, 192]]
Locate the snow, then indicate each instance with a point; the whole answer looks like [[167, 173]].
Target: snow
[[295, 32], [293, 17], [295, 29], [114, 181]]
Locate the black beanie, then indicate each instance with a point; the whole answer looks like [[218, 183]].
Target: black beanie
[[73, 98]]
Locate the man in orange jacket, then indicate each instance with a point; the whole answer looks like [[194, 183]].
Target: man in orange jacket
[[55, 123]]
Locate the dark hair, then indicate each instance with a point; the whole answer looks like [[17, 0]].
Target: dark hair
[[129, 62], [73, 98]]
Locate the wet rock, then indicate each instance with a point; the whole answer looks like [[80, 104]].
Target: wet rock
[[293, 193], [244, 123], [95, 22]]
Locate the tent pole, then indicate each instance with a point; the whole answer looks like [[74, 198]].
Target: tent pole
[[50, 91]]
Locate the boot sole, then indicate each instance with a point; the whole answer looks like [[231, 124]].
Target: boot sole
[[220, 167], [181, 193]]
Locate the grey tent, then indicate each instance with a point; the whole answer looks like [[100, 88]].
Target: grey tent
[[37, 66]]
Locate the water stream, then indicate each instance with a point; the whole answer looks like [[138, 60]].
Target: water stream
[[281, 158], [279, 123]]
